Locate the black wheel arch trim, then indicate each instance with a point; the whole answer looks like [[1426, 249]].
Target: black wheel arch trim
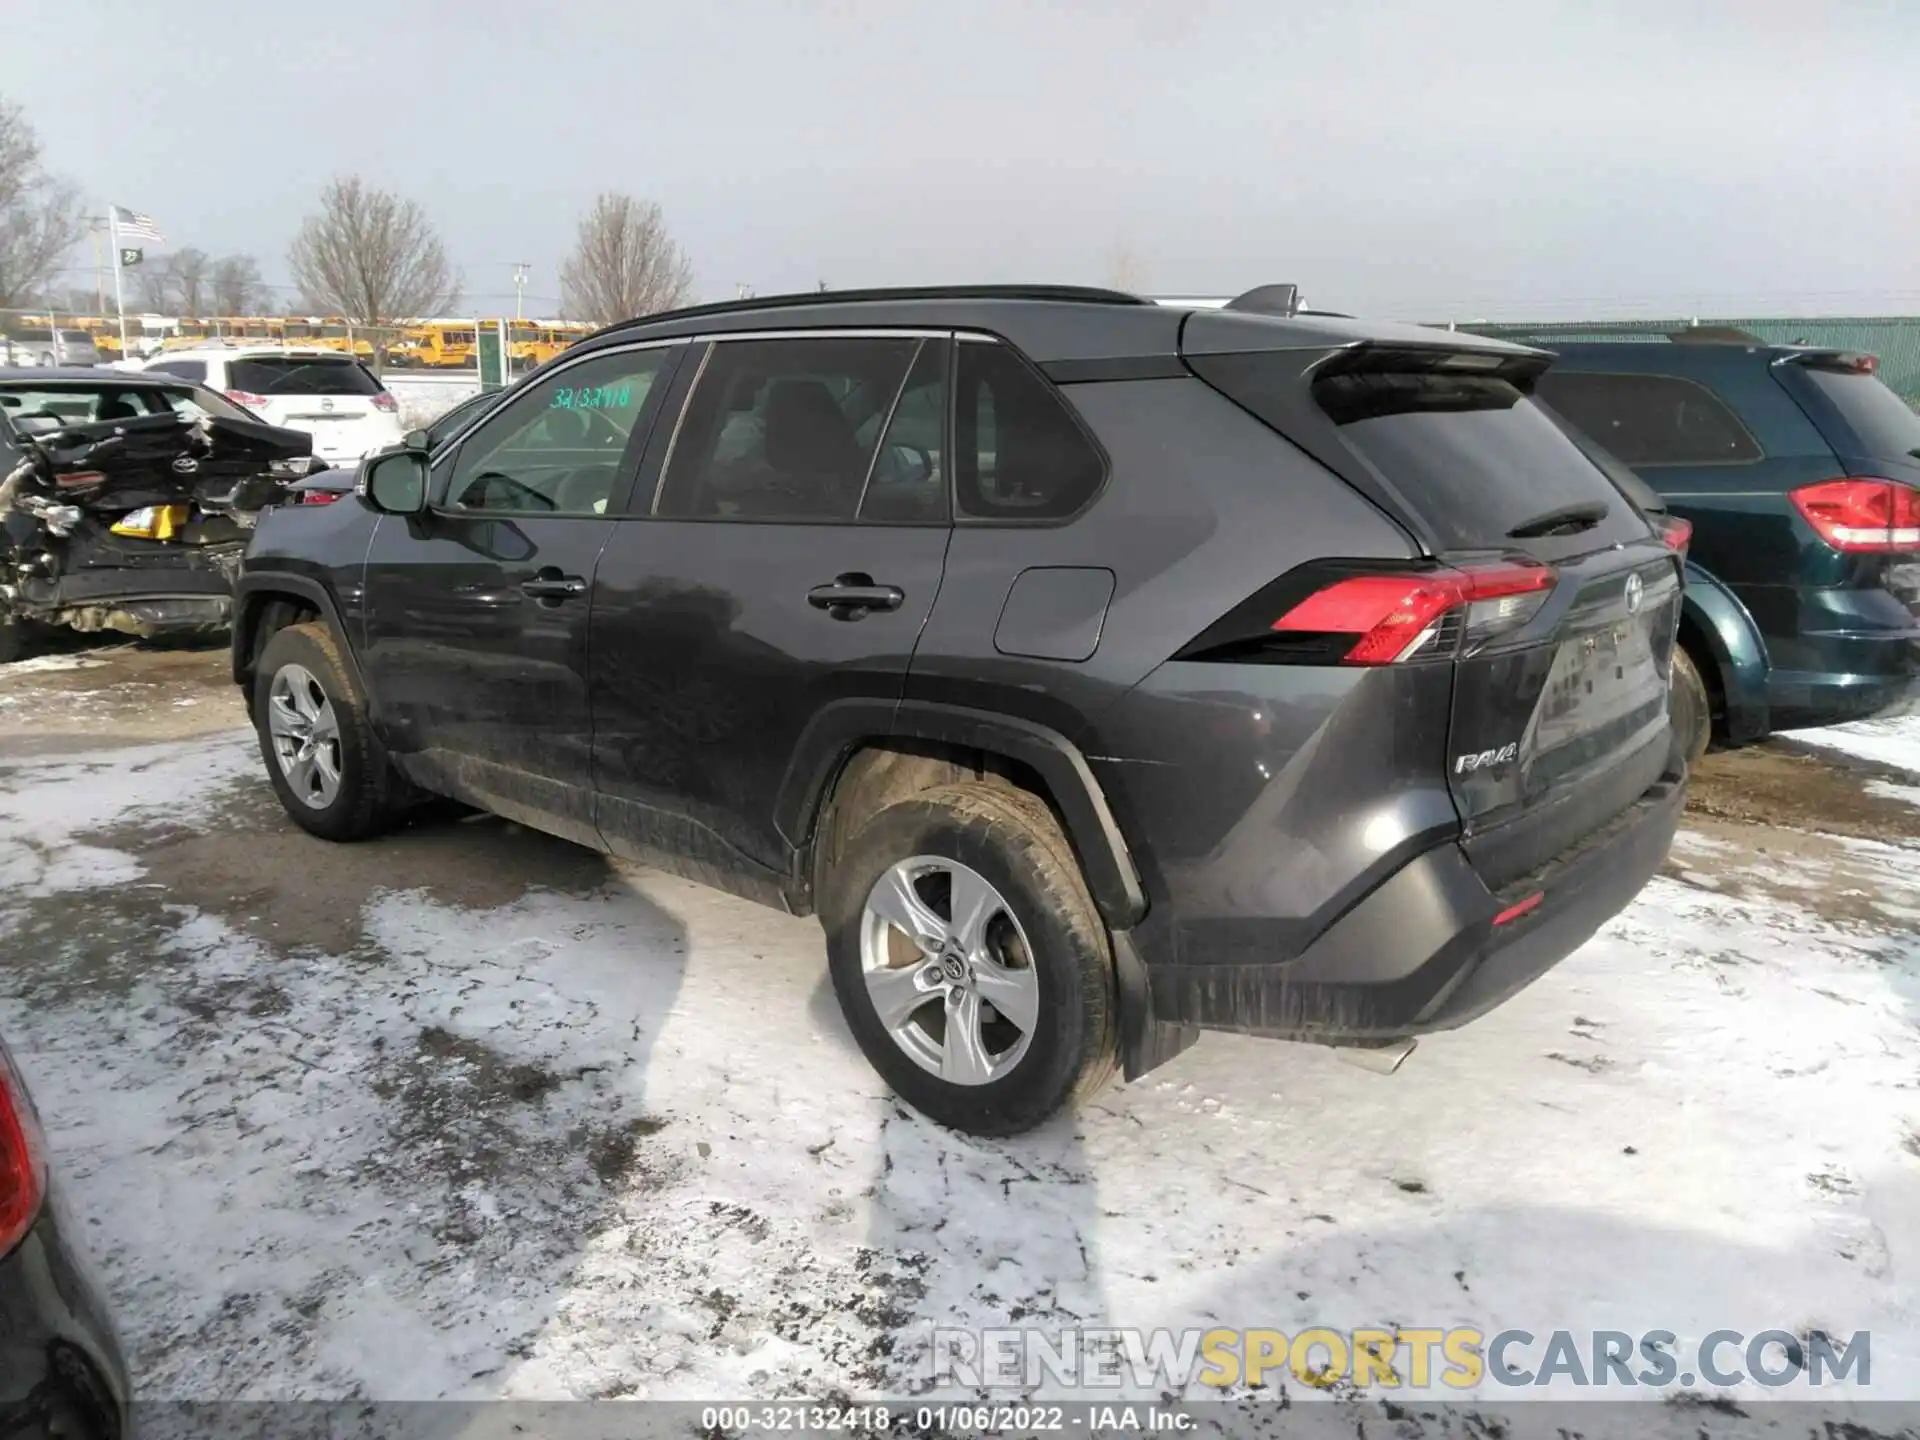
[[250, 594], [843, 725]]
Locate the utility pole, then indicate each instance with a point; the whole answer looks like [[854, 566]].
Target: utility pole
[[520, 270]]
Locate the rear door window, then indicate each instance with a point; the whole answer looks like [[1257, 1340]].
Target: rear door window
[[1885, 424], [1651, 419], [784, 429], [1474, 455], [1019, 453], [299, 375]]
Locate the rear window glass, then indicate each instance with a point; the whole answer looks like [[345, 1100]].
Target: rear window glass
[[1471, 452], [1886, 424], [299, 375], [1651, 419]]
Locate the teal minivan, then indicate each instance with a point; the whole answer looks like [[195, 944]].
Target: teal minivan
[[1800, 474]]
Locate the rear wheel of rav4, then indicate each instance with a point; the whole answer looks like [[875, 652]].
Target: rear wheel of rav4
[[320, 752], [969, 960], [1691, 709]]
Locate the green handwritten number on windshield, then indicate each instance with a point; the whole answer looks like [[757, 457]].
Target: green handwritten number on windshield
[[592, 397]]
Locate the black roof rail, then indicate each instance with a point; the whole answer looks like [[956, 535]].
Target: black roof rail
[[1060, 294], [1281, 300]]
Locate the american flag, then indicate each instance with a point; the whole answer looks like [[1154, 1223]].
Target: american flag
[[131, 225]]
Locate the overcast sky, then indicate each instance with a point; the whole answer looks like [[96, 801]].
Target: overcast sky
[[1423, 158]]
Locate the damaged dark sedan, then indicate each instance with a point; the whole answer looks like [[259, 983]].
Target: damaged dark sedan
[[126, 501]]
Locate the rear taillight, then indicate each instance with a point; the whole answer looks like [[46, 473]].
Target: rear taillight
[[1396, 616], [23, 1171], [1863, 514], [386, 404], [318, 497], [246, 398], [1677, 533]]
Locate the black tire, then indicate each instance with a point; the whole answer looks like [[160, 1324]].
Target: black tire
[[1691, 708], [369, 799], [1009, 838]]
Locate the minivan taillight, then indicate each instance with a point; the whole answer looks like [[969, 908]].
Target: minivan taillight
[[1677, 533], [23, 1175], [1393, 617], [1862, 514]]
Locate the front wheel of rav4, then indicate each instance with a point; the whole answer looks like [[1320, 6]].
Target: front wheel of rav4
[[320, 752], [969, 960]]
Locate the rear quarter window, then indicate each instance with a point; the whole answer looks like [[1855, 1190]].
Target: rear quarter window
[[1651, 419], [1884, 425], [1019, 453]]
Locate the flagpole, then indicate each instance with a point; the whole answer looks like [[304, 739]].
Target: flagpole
[[119, 294]]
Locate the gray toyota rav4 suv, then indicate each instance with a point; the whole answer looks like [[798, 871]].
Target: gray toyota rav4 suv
[[1099, 672]]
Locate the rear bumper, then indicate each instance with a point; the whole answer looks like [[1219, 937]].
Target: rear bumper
[[1797, 699], [1422, 952], [61, 1372]]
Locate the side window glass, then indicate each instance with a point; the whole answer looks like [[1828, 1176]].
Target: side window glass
[[783, 429], [908, 481], [556, 449], [1650, 419], [1019, 454]]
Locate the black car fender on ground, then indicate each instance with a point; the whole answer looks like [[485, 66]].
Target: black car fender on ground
[[254, 595]]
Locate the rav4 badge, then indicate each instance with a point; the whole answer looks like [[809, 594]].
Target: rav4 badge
[[1484, 758]]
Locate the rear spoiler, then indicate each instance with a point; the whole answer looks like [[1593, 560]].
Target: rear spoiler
[[1843, 362]]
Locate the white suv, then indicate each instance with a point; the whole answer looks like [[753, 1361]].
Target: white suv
[[331, 396]]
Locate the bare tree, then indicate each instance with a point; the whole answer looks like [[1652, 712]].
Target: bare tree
[[40, 216], [371, 256], [623, 263], [176, 284], [235, 285]]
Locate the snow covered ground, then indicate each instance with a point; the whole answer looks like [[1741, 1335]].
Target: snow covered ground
[[472, 1113]]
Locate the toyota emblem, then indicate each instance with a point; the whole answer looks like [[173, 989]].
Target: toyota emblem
[[1636, 591]]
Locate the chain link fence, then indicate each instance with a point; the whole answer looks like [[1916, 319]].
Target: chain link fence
[[1895, 339]]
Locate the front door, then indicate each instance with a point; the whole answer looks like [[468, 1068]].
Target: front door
[[478, 610], [798, 536]]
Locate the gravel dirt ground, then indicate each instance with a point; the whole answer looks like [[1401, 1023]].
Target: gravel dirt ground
[[470, 1112]]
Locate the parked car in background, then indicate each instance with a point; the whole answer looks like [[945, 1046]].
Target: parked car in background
[[328, 485], [61, 1372], [332, 397], [1097, 671], [126, 500], [1800, 473], [39, 345]]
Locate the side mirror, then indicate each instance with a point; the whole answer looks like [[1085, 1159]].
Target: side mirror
[[396, 483], [416, 440]]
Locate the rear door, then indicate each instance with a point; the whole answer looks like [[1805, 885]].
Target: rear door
[[796, 543], [1557, 603], [1561, 722], [334, 399]]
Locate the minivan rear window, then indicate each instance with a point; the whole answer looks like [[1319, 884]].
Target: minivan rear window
[[1886, 425], [299, 375], [1472, 453]]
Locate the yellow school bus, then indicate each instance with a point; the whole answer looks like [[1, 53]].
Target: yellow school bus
[[433, 347]]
